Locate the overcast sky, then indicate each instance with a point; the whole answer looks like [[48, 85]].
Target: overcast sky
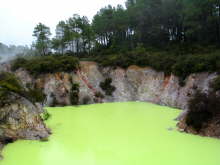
[[19, 17]]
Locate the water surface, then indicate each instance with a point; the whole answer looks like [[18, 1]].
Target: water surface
[[114, 134]]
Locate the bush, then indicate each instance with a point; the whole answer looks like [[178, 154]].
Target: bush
[[107, 87], [46, 64], [202, 108], [19, 62], [189, 64], [36, 95], [99, 95], [215, 85], [54, 100], [45, 115], [74, 94], [10, 84], [181, 60], [4, 98], [198, 113], [86, 100], [178, 61]]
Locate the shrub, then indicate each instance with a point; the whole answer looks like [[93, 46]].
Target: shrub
[[180, 60], [36, 95], [198, 113], [4, 97], [86, 100], [10, 84], [202, 108], [107, 87], [215, 85], [74, 94], [45, 139], [19, 62], [177, 60], [46, 64], [99, 95], [54, 101], [45, 115], [193, 64]]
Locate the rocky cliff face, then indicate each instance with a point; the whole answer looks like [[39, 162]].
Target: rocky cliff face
[[132, 84], [20, 119]]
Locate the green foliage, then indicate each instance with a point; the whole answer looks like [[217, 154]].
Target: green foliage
[[215, 85], [45, 115], [74, 94], [99, 95], [45, 139], [195, 64], [198, 114], [36, 95], [167, 61], [4, 97], [107, 87], [86, 100], [75, 33], [42, 33], [110, 25], [19, 62], [202, 108], [157, 23], [54, 100], [10, 84], [181, 61], [46, 64], [171, 36]]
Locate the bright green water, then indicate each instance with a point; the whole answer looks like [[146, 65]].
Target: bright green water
[[114, 134]]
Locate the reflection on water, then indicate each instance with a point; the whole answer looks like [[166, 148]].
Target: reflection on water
[[114, 134]]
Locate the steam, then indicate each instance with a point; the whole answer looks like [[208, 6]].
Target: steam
[[6, 57], [8, 53]]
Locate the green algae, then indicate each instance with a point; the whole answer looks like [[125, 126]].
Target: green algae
[[114, 134]]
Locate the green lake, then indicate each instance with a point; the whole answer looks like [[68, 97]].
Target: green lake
[[130, 133]]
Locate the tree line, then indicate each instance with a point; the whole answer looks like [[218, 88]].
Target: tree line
[[74, 35], [151, 23]]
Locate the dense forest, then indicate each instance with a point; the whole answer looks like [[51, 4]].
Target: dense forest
[[151, 23]]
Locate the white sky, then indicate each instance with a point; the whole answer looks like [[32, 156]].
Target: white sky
[[19, 17]]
